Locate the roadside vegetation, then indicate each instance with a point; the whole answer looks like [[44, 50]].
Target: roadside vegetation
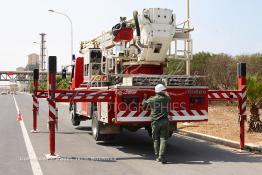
[[61, 84], [219, 71], [254, 94]]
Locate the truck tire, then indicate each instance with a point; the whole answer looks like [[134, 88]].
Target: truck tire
[[149, 131], [74, 117], [111, 137], [96, 127], [170, 133], [74, 120]]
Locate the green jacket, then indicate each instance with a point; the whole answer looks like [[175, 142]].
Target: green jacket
[[159, 106]]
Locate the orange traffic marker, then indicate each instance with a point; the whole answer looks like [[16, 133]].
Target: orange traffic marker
[[19, 116]]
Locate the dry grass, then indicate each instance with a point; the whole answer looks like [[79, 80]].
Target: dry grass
[[223, 122]]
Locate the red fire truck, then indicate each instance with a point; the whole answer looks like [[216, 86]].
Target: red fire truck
[[129, 61]]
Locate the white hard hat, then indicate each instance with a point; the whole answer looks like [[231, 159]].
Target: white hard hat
[[159, 88]]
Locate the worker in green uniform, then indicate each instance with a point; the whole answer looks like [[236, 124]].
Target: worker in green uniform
[[160, 123]]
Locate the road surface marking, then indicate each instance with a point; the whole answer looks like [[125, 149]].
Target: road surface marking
[[30, 150]]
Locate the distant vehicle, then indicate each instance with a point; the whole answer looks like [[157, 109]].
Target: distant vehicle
[[3, 93]]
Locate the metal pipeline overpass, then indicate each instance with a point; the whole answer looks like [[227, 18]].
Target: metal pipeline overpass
[[24, 76]]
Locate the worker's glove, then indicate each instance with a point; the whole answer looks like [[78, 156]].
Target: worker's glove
[[166, 93], [145, 96]]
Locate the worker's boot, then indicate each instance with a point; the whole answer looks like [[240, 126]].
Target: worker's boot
[[157, 158], [162, 150], [162, 159], [156, 149]]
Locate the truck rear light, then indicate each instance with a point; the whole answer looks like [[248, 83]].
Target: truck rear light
[[197, 100]]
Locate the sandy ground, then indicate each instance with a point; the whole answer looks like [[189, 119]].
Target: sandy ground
[[223, 122]]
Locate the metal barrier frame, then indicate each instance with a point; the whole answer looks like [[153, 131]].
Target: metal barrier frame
[[53, 96]]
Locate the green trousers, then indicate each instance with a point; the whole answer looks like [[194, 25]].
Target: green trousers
[[160, 132]]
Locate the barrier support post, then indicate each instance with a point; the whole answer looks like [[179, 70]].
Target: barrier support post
[[52, 118], [241, 72], [35, 100]]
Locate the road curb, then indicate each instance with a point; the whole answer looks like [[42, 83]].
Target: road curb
[[218, 140]]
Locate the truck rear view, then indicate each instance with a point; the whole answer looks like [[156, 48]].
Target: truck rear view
[[130, 60]]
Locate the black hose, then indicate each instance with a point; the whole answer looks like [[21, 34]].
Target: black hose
[[172, 18], [135, 13]]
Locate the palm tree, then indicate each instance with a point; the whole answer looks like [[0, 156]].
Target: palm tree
[[254, 97]]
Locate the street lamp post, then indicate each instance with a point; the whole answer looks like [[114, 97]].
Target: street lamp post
[[71, 25]]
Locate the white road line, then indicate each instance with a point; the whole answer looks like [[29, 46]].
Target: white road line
[[30, 150]]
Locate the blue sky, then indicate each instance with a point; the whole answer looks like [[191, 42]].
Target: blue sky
[[228, 26]]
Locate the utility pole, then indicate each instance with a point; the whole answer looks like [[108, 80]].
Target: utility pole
[[42, 52]]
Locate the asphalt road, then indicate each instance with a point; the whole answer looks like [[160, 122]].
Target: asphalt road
[[131, 153]]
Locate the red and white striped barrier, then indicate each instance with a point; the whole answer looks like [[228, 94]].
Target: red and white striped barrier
[[189, 112], [241, 71], [243, 102], [35, 102], [174, 115], [52, 111], [224, 95], [84, 95], [42, 93], [35, 113], [188, 115], [52, 117]]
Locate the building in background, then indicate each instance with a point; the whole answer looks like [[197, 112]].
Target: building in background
[[33, 58], [33, 62], [20, 69]]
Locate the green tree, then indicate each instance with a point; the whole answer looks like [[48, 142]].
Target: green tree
[[221, 72], [62, 84], [254, 97], [42, 85], [200, 63], [176, 67], [254, 63], [199, 66]]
